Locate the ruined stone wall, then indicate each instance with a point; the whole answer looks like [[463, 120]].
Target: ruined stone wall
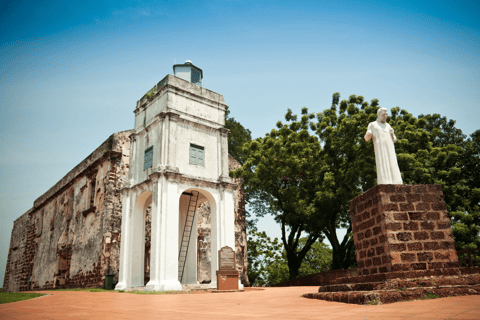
[[240, 225], [204, 243], [71, 237]]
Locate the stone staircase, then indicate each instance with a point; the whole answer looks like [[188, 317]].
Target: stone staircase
[[401, 286]]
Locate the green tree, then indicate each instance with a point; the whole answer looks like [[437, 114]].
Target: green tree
[[318, 259], [262, 252], [238, 136], [281, 170]]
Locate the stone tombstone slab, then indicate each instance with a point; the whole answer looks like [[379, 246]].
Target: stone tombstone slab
[[227, 275], [402, 228], [226, 259]]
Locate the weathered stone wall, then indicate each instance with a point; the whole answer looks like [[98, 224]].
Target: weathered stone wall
[[70, 238], [402, 228], [240, 225], [204, 243]]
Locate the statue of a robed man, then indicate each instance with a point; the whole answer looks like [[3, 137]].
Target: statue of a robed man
[[385, 157]]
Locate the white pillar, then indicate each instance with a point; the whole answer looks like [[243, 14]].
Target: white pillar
[[124, 244], [169, 236], [154, 283]]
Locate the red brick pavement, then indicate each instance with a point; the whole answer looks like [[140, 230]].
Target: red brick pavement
[[271, 303]]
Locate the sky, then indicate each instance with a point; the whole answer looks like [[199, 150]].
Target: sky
[[71, 73]]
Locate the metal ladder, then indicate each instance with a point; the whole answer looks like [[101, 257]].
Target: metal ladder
[[187, 232]]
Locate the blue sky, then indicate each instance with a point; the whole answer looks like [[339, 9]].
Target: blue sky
[[71, 72]]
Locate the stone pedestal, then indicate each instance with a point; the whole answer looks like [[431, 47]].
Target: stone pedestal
[[405, 249], [402, 228], [227, 280]]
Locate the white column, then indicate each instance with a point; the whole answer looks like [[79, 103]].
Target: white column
[[169, 248], [154, 282], [124, 268], [214, 236]]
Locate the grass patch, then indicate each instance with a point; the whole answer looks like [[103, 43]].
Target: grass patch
[[153, 292], [7, 297], [85, 289], [373, 302], [430, 296]]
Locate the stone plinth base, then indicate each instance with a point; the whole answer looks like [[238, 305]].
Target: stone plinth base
[[400, 286], [402, 228], [227, 280]]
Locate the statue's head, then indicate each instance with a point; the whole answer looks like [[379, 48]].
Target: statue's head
[[382, 114]]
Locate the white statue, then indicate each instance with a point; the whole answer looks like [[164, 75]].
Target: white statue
[[385, 158]]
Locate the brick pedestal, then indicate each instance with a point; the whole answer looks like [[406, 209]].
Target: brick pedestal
[[405, 249], [402, 228], [227, 280]]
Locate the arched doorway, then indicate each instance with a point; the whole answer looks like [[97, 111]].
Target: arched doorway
[[138, 235], [194, 241]]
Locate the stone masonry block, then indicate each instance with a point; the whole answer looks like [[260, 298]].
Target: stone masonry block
[[400, 216], [442, 255], [422, 206], [419, 188], [404, 236], [397, 247], [393, 226], [377, 261], [383, 238], [368, 233], [408, 257], [429, 198], [370, 252], [416, 215], [373, 241], [433, 215], [421, 235], [380, 250], [390, 207], [443, 224], [360, 236], [432, 246], [415, 246], [368, 263], [365, 215], [425, 256], [411, 225], [437, 235], [386, 259], [397, 198], [407, 207], [377, 230], [424, 225], [413, 197], [439, 206]]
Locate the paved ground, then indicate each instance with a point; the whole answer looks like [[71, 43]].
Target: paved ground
[[271, 303]]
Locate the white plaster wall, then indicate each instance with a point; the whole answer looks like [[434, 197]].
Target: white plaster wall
[[158, 105], [188, 134], [191, 106]]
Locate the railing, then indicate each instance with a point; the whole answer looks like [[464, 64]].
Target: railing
[[319, 279], [461, 253]]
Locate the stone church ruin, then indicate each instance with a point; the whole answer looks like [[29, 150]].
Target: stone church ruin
[[152, 205]]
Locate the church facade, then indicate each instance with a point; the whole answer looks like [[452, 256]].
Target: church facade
[[152, 205]]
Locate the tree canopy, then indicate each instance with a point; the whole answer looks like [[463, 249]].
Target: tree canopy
[[305, 173]]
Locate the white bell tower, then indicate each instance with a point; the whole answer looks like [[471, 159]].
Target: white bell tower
[[178, 160]]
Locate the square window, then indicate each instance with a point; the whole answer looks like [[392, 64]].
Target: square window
[[197, 155], [148, 159]]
